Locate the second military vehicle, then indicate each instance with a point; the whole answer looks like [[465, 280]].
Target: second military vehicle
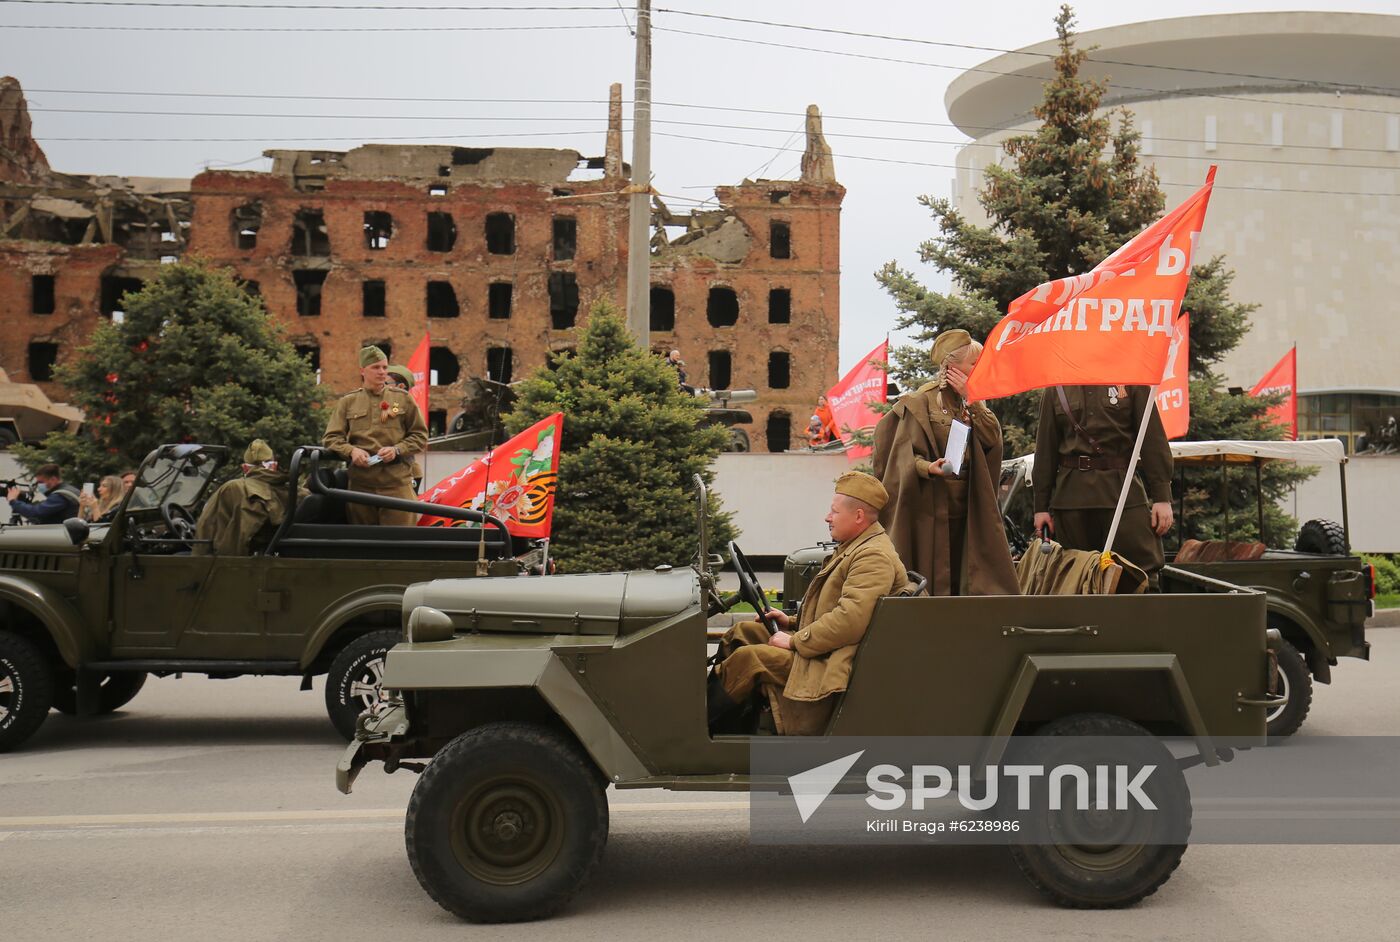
[[529, 699], [27, 415], [88, 612]]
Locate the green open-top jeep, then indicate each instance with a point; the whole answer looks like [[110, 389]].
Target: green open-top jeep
[[530, 698], [87, 612]]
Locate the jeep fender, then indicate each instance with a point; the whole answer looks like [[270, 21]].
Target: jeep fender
[[380, 598], [1318, 652], [62, 621], [466, 662]]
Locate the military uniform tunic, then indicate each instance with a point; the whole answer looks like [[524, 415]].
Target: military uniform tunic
[[1080, 465], [371, 421], [239, 510]]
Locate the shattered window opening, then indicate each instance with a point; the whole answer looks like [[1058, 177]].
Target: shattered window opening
[[563, 299], [442, 232], [379, 229], [252, 289], [467, 156], [779, 240], [565, 238], [114, 287], [246, 220], [442, 300], [498, 300], [721, 368], [722, 308], [663, 308], [311, 353], [500, 234], [437, 190], [779, 306], [444, 368], [780, 197], [372, 298], [779, 431], [498, 364], [41, 294], [779, 369], [309, 237], [42, 357], [308, 285]]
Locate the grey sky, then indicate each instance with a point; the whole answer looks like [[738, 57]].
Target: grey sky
[[881, 218]]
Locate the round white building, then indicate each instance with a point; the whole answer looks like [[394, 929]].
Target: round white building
[[1301, 112]]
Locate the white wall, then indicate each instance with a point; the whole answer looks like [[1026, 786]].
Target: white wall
[[1373, 495]]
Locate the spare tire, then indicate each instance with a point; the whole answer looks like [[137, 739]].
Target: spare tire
[[1322, 537]]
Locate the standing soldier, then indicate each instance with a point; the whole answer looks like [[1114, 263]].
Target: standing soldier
[[1082, 448], [378, 429], [401, 377]]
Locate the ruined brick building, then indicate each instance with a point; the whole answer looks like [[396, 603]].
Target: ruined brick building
[[495, 252]]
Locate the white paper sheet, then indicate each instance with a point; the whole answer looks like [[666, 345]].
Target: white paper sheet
[[957, 446]]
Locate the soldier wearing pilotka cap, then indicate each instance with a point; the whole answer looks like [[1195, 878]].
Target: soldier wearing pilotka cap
[[810, 661], [378, 429]]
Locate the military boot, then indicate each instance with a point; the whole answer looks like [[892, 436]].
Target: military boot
[[720, 706]]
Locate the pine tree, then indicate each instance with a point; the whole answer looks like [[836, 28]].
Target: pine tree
[[195, 359], [631, 446], [1073, 192]]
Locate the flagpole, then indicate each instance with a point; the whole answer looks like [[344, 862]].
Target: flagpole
[[544, 567], [1106, 560]]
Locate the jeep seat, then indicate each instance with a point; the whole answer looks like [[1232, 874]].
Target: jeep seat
[[1215, 551]]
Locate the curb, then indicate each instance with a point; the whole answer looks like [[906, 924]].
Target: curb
[[1384, 618]]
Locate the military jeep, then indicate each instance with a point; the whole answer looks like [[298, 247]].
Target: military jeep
[[529, 699], [1319, 594], [87, 612]]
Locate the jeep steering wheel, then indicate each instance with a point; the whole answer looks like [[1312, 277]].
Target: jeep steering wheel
[[749, 589], [179, 522]]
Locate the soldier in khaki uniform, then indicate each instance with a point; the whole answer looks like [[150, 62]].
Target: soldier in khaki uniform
[[402, 377], [241, 508], [811, 661], [1082, 448], [383, 422]]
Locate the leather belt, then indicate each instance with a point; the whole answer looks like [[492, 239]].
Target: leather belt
[[1094, 462]]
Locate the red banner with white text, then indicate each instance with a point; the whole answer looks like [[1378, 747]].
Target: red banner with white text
[[1174, 393], [851, 399], [1283, 378], [1111, 325]]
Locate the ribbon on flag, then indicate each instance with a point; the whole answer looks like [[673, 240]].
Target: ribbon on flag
[[514, 482]]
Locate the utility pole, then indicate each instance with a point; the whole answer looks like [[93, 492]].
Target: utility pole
[[639, 219]]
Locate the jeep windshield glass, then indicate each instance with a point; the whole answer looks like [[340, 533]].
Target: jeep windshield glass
[[173, 480]]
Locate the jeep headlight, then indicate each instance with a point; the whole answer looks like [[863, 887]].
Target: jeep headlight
[[429, 624]]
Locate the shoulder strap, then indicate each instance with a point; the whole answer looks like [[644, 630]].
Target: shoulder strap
[[1069, 414]]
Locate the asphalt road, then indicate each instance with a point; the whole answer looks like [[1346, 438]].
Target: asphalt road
[[207, 810]]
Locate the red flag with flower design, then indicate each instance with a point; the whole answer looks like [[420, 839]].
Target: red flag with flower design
[[418, 366], [514, 482]]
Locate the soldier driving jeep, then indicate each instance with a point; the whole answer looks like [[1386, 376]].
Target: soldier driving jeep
[[801, 667]]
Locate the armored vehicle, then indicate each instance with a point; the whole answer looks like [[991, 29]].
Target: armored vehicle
[[27, 415], [721, 411], [1319, 594], [531, 698], [87, 612]]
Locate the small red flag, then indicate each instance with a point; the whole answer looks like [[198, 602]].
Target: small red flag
[[850, 400], [418, 366], [1283, 378], [514, 482], [1174, 393]]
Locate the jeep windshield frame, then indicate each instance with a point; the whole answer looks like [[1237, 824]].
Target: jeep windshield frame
[[175, 474]]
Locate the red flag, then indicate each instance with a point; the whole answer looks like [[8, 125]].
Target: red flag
[[1283, 378], [515, 482], [850, 399], [1174, 393], [418, 366], [1111, 325]]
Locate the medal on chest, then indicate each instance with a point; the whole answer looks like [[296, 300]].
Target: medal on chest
[[1113, 395]]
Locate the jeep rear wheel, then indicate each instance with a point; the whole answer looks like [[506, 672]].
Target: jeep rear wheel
[[507, 823], [355, 681], [26, 689], [115, 691], [1323, 537], [1294, 681], [1103, 858]]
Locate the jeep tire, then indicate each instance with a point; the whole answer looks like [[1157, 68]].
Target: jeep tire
[[115, 692], [507, 823], [354, 679], [1322, 537], [1099, 872], [1294, 682], [26, 689]]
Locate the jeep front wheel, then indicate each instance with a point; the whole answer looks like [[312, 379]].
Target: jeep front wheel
[[355, 681], [1294, 684], [114, 691], [507, 823], [1097, 857], [26, 689]]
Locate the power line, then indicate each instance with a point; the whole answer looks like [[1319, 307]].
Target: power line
[[369, 7], [306, 29]]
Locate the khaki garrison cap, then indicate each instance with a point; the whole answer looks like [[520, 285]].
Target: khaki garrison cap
[[257, 452], [370, 356], [862, 486], [948, 342]]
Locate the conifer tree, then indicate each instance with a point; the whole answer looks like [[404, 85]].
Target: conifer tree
[[195, 359], [632, 443], [1072, 192]]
